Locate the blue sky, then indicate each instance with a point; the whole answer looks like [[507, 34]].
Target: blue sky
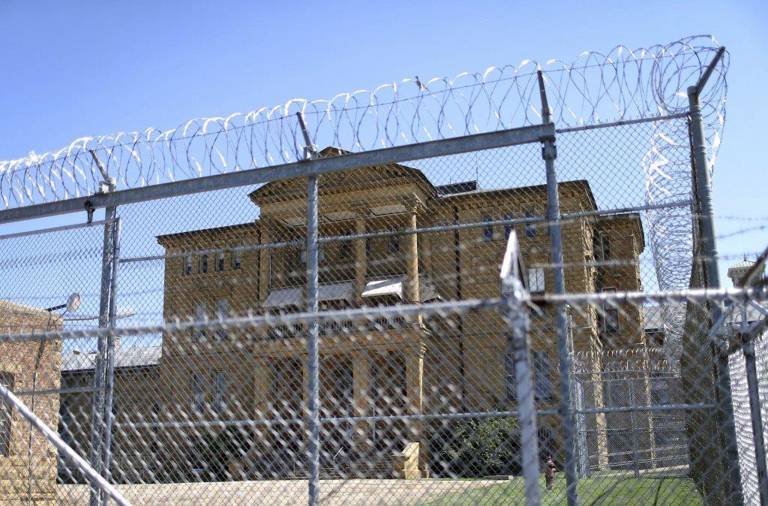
[[85, 68]]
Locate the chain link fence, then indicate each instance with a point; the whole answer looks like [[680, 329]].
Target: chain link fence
[[509, 316]]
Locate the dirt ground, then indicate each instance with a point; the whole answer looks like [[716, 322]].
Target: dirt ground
[[278, 492]]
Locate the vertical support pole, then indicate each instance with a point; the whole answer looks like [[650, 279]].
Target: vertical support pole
[[112, 348], [100, 367], [633, 429], [748, 347], [313, 350], [516, 315], [708, 252], [549, 154]]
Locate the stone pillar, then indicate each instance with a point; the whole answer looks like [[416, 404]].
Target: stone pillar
[[412, 253], [426, 253], [264, 261], [361, 371], [414, 384], [262, 379], [361, 258]]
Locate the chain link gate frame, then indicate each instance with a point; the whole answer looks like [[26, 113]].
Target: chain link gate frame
[[513, 299]]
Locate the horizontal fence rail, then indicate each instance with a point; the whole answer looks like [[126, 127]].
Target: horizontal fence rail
[[456, 291]]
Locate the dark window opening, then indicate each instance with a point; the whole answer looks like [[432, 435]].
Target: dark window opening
[[487, 229]]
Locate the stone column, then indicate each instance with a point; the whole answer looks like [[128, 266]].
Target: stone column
[[414, 384], [261, 385], [361, 371], [426, 253], [264, 260], [361, 258], [412, 252]]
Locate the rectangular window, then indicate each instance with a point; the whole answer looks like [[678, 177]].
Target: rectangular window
[[605, 247], [187, 265], [222, 308], [237, 258], [394, 244], [530, 228], [510, 382], [6, 416], [203, 263], [201, 315], [345, 250], [508, 226], [601, 246], [220, 261], [611, 320], [541, 374], [220, 392], [222, 311], [198, 392], [487, 229], [536, 282]]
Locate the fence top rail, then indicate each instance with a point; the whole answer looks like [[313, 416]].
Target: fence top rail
[[619, 85], [253, 176]]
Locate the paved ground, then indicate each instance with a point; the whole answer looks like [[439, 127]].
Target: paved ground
[[278, 492]]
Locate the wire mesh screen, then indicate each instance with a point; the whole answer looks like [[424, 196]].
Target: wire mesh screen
[[508, 322], [742, 317]]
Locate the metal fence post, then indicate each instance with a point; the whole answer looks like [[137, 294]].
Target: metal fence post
[[109, 377], [708, 252], [313, 351], [549, 154], [516, 314], [753, 386], [100, 367]]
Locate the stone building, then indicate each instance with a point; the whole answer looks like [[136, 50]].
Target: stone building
[[31, 370], [427, 365], [209, 378]]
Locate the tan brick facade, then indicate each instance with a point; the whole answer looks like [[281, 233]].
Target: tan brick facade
[[27, 460], [422, 366]]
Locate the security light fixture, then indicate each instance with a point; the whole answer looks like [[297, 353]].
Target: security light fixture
[[72, 305]]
